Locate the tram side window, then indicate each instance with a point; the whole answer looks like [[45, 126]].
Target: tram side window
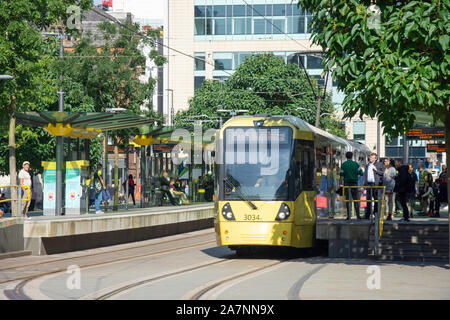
[[304, 166]]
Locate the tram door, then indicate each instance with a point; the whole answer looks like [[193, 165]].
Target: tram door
[[327, 180]]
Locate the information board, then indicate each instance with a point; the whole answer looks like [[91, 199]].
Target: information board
[[436, 147], [436, 133]]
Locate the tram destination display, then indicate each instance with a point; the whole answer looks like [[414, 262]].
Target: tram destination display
[[436, 133]]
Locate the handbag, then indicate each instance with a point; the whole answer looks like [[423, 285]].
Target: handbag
[[321, 202], [363, 203]]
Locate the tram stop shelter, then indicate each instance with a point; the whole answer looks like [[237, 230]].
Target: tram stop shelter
[[77, 125]]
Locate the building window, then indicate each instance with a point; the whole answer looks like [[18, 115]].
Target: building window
[[247, 19], [198, 80], [223, 60], [359, 131], [199, 64], [314, 62]]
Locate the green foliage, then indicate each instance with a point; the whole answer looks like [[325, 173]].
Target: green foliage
[[263, 83], [27, 56], [389, 67]]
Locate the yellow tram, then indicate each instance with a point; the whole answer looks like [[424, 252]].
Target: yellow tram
[[267, 179]]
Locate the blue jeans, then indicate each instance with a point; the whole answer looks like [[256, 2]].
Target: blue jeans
[[98, 199]]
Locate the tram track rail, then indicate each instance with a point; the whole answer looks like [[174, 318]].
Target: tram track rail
[[17, 293], [198, 293]]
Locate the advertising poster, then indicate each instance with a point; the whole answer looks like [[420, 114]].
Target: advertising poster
[[49, 191]]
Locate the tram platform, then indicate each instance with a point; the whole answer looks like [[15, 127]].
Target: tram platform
[[43, 235]]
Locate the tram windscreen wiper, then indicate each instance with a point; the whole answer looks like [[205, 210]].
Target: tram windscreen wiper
[[239, 193]]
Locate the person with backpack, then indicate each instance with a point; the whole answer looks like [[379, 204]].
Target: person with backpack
[[424, 176], [99, 186], [428, 196], [402, 182]]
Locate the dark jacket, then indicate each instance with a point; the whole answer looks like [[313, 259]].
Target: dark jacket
[[401, 180], [378, 175], [165, 183]]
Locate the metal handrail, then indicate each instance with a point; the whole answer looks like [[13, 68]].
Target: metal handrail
[[379, 217], [13, 185], [19, 193]]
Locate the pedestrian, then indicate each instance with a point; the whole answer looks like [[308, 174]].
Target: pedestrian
[[401, 186], [350, 170], [424, 176], [373, 177], [208, 185], [435, 202], [4, 207], [178, 193], [131, 186], [428, 196], [443, 185], [165, 187], [25, 183], [412, 189], [389, 183], [100, 188]]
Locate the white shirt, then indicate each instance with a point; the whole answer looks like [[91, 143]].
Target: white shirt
[[370, 175], [23, 174]]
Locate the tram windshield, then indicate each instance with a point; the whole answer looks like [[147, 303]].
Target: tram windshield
[[257, 163]]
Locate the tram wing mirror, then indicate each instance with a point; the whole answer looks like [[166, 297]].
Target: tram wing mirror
[[213, 153]]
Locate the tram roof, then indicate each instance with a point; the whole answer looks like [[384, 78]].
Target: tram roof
[[305, 126]]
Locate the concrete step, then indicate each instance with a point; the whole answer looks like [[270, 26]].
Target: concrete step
[[408, 257], [413, 241]]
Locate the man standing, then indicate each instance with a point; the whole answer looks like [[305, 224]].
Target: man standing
[[373, 176], [25, 181], [350, 171], [401, 186]]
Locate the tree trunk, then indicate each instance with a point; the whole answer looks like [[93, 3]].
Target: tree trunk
[[12, 156], [116, 175]]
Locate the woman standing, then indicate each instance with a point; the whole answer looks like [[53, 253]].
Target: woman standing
[[389, 183]]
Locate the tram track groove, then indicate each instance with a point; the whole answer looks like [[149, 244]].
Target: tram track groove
[[18, 294], [98, 253], [196, 294], [143, 282]]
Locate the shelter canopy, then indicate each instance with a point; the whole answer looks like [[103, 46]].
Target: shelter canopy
[[86, 125]]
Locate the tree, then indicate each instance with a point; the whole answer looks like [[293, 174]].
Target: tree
[[21, 47], [388, 66], [263, 83], [391, 60]]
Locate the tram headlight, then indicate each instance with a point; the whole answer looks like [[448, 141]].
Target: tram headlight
[[283, 212], [227, 213]]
